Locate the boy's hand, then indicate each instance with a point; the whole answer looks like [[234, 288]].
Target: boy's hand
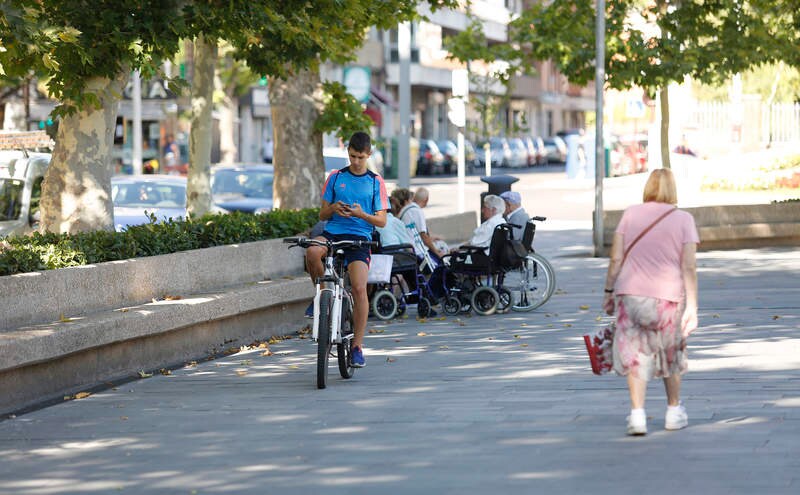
[[340, 209], [354, 210]]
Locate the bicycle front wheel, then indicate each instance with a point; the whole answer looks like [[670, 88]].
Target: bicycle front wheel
[[531, 285], [343, 348], [324, 337]]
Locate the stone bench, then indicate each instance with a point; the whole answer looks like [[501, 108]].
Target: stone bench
[[733, 226], [66, 330]]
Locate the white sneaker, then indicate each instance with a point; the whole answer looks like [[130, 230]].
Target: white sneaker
[[637, 423], [676, 418]]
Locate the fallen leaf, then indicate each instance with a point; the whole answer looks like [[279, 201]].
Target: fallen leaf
[[241, 372], [421, 334], [123, 418], [598, 318], [422, 320], [64, 319], [442, 318], [82, 395], [523, 324], [267, 353], [776, 317], [165, 372], [374, 330], [462, 324], [716, 315], [398, 340], [293, 366], [390, 360], [568, 325], [443, 347], [124, 310], [246, 362], [516, 336], [523, 345], [143, 374], [172, 298], [584, 306], [191, 364]]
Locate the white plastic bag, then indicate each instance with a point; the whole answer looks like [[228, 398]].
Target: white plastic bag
[[380, 269]]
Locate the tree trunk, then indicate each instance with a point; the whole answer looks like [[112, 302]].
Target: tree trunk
[[228, 113], [198, 186], [76, 193], [297, 154], [663, 97]]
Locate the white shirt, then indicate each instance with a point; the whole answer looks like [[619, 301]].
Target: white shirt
[[482, 236], [412, 215]]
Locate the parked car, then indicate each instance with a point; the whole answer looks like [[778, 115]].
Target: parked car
[[136, 197], [556, 149], [242, 187], [519, 153], [449, 150], [537, 155], [21, 176], [431, 159], [471, 160], [500, 152]]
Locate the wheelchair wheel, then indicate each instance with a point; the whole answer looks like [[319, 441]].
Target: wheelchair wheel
[[384, 305], [451, 306], [484, 300], [504, 300], [531, 285], [423, 307]]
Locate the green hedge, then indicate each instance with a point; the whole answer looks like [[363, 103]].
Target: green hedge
[[49, 251]]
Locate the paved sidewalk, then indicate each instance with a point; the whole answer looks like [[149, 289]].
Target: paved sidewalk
[[503, 404]]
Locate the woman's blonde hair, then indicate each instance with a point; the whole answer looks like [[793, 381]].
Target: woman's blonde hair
[[660, 187]]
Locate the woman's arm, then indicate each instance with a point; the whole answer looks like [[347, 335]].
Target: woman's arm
[[614, 266], [689, 271]]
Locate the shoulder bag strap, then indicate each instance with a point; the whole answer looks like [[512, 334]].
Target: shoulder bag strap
[[625, 255]]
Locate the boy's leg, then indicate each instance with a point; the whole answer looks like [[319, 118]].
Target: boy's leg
[[358, 287]]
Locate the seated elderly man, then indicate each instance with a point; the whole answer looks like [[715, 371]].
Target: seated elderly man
[[492, 208], [515, 214]]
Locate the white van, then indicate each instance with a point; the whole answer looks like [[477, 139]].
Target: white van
[[21, 176]]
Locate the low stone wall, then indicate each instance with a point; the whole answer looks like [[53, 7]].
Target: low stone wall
[[733, 226], [65, 330]]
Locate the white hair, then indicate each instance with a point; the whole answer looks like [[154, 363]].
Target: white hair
[[494, 203]]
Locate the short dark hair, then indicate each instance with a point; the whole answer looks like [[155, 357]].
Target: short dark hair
[[360, 141]]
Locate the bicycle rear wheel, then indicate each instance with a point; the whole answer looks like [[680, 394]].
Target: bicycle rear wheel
[[324, 337], [532, 285], [343, 349]]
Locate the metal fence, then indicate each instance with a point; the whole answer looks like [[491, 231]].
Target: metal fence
[[750, 121]]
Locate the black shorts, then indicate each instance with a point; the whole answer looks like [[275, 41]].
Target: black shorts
[[360, 254]]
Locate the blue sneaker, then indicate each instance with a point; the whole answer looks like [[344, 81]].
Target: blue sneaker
[[357, 357], [310, 310]]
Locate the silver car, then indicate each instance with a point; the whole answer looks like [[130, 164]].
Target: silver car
[[136, 197]]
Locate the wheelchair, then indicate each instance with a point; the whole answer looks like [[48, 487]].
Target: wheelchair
[[532, 280], [479, 276], [407, 285]]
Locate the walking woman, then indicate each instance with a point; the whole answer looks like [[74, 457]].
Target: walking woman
[[652, 285]]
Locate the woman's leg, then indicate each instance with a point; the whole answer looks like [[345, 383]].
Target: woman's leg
[[638, 390], [672, 385]]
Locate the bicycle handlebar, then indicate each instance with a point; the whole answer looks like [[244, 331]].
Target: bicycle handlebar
[[305, 242]]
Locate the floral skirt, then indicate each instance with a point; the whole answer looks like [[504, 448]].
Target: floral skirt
[[648, 341]]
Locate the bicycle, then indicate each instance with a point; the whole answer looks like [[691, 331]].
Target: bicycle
[[533, 282], [333, 306]]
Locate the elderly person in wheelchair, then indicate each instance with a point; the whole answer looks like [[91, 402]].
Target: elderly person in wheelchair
[[492, 209]]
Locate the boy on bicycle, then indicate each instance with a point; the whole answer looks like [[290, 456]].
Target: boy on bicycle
[[354, 202]]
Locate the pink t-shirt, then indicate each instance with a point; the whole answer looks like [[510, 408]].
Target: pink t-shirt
[[653, 267]]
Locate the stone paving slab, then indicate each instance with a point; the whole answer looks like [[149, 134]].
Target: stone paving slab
[[503, 404]]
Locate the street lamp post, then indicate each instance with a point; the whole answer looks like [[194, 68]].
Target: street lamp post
[[599, 147]]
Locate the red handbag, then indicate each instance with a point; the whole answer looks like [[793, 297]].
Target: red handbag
[[600, 345]]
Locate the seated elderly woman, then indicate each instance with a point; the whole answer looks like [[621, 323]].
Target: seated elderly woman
[[492, 208]]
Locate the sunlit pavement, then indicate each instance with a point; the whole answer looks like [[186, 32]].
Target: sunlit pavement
[[504, 404]]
